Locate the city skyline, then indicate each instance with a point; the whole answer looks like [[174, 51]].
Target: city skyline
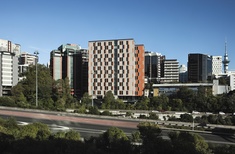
[[171, 28]]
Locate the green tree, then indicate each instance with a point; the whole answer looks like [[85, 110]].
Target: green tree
[[142, 104], [18, 96], [187, 96], [94, 110], [11, 126], [115, 141], [72, 135], [151, 139], [119, 104], [135, 137], [153, 116], [35, 130], [176, 105], [86, 99], [186, 118], [108, 100], [7, 101], [184, 143], [27, 86]]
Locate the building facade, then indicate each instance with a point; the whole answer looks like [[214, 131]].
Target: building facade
[[116, 66], [170, 71], [199, 68], [8, 46], [25, 60], [183, 74], [70, 61], [216, 65], [153, 66], [8, 72]]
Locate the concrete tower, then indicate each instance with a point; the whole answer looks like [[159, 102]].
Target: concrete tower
[[226, 60]]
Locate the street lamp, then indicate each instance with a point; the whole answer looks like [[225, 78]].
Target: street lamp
[[36, 64]]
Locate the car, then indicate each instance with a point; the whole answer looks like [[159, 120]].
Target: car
[[208, 113], [221, 113], [195, 112]]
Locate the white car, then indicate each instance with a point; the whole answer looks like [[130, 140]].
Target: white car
[[195, 112], [221, 113]]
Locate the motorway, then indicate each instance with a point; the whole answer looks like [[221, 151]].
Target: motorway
[[88, 125]]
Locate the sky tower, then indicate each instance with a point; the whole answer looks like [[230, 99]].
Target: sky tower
[[226, 60]]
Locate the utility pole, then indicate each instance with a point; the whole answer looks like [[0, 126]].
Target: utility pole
[[36, 64]]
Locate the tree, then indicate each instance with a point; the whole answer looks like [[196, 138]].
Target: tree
[[35, 130], [72, 135], [119, 104], [142, 104], [176, 104], [187, 96], [151, 139], [86, 99], [94, 110], [27, 87], [11, 126], [108, 100], [184, 143], [7, 101], [186, 118], [17, 94], [153, 116], [115, 141]]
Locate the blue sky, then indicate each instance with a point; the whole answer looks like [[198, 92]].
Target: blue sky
[[173, 28]]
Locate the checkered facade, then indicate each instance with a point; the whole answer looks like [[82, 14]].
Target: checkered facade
[[113, 66]]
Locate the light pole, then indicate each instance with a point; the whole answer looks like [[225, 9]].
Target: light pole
[[36, 64]]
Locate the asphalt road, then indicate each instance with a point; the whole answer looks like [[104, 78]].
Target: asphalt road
[[93, 126]]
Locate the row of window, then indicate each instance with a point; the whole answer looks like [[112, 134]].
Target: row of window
[[110, 88], [120, 92], [111, 43], [112, 55], [112, 63]]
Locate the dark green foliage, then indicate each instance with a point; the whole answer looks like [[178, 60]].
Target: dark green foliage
[[7, 101], [153, 116], [94, 110], [186, 118], [226, 149], [107, 113], [36, 138], [151, 138], [86, 100], [185, 143], [113, 141]]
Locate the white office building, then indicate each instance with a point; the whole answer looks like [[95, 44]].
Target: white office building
[[8, 46], [216, 65], [8, 72]]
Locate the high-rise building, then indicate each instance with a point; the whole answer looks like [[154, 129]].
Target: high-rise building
[[117, 66], [199, 67], [26, 59], [80, 70], [183, 74], [8, 72], [216, 65], [153, 66], [170, 71], [70, 61], [8, 46], [56, 64]]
